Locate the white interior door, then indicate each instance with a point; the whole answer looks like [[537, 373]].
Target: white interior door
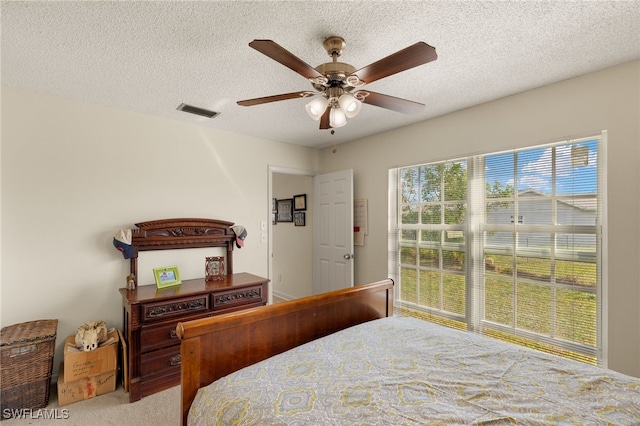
[[333, 231]]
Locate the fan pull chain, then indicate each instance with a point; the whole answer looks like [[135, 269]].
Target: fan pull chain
[[334, 150]]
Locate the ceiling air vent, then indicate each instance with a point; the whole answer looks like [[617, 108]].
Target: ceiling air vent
[[197, 111]]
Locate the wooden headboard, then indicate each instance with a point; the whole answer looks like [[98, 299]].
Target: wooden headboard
[[213, 347], [171, 234]]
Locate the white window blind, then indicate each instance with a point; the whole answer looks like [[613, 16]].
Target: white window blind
[[505, 244]]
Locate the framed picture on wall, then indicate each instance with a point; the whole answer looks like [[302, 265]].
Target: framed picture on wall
[[298, 218], [285, 210], [274, 211], [300, 202]]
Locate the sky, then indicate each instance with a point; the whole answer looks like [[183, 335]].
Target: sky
[[576, 168]]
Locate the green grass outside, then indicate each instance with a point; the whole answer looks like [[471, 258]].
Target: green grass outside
[[533, 304]]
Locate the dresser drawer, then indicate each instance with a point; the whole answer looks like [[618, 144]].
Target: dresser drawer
[[175, 308], [161, 362], [238, 297], [151, 385], [158, 336]]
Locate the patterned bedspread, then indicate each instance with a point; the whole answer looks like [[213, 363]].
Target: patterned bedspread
[[403, 371]]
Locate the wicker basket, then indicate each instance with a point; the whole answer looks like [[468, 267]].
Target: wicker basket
[[26, 362]]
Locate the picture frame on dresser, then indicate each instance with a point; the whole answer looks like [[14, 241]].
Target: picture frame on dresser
[[167, 276], [214, 268]]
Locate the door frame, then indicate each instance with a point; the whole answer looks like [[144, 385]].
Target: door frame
[[271, 169]]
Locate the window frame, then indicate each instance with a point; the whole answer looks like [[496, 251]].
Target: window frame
[[474, 318]]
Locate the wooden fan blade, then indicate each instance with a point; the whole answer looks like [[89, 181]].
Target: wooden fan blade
[[324, 120], [286, 58], [274, 98], [390, 102], [410, 57]]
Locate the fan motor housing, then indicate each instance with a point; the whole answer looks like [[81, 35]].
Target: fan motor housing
[[336, 72]]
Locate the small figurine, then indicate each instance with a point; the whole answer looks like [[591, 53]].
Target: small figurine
[[131, 282]]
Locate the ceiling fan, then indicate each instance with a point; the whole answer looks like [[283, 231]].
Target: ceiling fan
[[338, 94]]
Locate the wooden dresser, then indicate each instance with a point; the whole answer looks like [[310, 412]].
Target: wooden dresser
[[150, 314]]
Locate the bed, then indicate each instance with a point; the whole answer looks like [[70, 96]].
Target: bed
[[344, 358]]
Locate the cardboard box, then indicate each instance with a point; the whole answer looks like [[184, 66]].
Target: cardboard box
[[79, 364], [124, 362], [85, 388]]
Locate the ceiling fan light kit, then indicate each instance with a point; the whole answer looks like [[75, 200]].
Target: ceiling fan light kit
[[337, 94], [343, 105], [316, 107], [337, 117], [350, 105]]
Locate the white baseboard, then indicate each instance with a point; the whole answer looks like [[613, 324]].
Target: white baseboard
[[281, 295]]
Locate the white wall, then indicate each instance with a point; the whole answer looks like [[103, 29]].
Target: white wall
[[607, 100], [292, 245], [75, 173]]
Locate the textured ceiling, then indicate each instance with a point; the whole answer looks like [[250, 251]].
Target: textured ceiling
[[150, 57]]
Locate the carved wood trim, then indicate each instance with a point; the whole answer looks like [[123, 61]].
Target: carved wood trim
[[223, 299], [171, 234], [176, 307]]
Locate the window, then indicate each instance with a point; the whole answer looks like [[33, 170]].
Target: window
[[505, 244]]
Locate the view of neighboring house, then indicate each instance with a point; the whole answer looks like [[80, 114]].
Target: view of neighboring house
[[536, 208]]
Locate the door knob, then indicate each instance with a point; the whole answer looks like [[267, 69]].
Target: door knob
[[348, 256]]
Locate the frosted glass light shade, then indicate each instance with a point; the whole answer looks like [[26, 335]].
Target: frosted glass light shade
[[350, 105], [316, 107], [337, 117]]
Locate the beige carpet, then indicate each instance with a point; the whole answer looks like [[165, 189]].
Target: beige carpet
[[113, 408]]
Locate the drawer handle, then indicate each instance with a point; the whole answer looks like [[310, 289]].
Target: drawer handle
[[175, 360], [173, 334]]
